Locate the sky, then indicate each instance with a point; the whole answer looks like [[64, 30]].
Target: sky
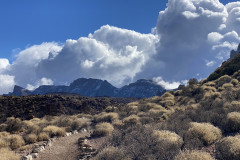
[[57, 41]]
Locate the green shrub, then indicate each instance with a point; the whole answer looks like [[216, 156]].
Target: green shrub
[[111, 153], [228, 148], [205, 132], [54, 131], [193, 155], [103, 129], [30, 138], [7, 154], [233, 123]]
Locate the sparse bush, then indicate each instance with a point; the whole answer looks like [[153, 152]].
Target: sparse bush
[[227, 85], [222, 80], [110, 153], [3, 127], [228, 148], [43, 136], [30, 138], [233, 119], [131, 120], [193, 155], [103, 129], [235, 82], [7, 154], [204, 132], [172, 139], [54, 131], [16, 141], [14, 125], [106, 117]]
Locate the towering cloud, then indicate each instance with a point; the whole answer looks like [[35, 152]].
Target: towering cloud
[[192, 38]]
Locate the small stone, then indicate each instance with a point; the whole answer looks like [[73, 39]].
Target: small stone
[[34, 155]]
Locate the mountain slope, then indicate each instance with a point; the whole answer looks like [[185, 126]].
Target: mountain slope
[[97, 88]]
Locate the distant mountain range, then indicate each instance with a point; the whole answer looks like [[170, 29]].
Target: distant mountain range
[[97, 88]]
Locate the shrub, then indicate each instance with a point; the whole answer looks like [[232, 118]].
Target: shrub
[[193, 155], [14, 125], [205, 132], [131, 120], [30, 138], [7, 154], [106, 117], [170, 138], [54, 131], [43, 136], [227, 85], [103, 129], [228, 148], [233, 123], [16, 141], [235, 82], [110, 153], [222, 80], [3, 127]]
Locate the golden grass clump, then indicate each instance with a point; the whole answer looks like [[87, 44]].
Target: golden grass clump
[[103, 129], [43, 136], [209, 88], [7, 154], [235, 82], [222, 80], [54, 131], [227, 85], [131, 120], [15, 141], [193, 155], [111, 153], [106, 117], [205, 132], [30, 138], [228, 148], [210, 84], [14, 125], [171, 138], [233, 120]]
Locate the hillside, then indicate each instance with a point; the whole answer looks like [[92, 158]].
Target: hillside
[[199, 122], [28, 107]]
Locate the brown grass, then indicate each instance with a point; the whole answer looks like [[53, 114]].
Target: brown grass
[[233, 119], [205, 132], [228, 148], [103, 129], [54, 131], [111, 153], [30, 138], [193, 155], [7, 154], [43, 136], [106, 117]]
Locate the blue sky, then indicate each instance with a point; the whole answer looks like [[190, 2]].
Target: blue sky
[[29, 22], [50, 42]]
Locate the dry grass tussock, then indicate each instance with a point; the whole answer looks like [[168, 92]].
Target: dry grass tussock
[[110, 153], [233, 119], [54, 131], [205, 132], [193, 155], [228, 148], [7, 154], [103, 129], [106, 117]]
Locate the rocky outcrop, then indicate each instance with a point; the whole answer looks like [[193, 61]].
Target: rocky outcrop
[[233, 53]]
